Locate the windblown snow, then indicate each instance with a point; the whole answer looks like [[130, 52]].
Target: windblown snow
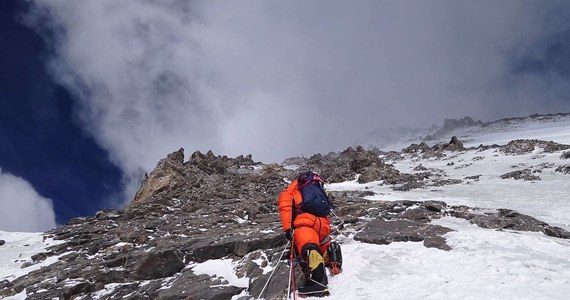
[[484, 263]]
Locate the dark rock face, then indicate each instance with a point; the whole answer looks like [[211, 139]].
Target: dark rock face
[[565, 155], [384, 232], [2, 242], [156, 265], [525, 174], [510, 219]]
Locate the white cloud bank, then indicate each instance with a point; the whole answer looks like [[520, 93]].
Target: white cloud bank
[[21, 207], [278, 79]]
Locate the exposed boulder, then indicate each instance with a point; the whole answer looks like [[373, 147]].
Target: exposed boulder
[[443, 182], [154, 265], [509, 219], [455, 144], [565, 155], [563, 169], [385, 232], [420, 168], [437, 242], [525, 174], [415, 148]]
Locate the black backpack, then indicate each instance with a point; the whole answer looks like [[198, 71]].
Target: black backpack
[[314, 198]]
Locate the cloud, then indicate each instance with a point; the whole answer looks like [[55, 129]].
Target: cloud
[[278, 79], [21, 207]]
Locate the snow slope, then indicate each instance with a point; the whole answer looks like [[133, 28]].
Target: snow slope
[[548, 128], [484, 264], [501, 132], [17, 251]]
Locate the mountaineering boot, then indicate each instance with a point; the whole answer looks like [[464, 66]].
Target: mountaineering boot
[[316, 282]]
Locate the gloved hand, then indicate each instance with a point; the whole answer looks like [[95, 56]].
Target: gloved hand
[[289, 234]]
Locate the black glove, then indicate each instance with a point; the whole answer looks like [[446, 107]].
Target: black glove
[[289, 234]]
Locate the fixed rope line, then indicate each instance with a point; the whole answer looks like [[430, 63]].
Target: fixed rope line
[[274, 269]]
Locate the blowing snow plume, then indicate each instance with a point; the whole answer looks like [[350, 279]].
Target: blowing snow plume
[[283, 79]]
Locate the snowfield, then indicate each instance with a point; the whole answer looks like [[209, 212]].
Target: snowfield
[[484, 263], [18, 250]]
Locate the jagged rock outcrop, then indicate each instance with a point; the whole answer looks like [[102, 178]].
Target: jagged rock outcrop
[[424, 151], [347, 164], [520, 147], [449, 125], [172, 173], [167, 174], [455, 144]]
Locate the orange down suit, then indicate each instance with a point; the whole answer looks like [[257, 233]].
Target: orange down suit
[[308, 227]]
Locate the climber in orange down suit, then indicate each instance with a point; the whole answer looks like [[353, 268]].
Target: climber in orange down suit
[[311, 236]]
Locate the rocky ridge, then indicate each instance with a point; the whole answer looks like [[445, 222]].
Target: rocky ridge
[[212, 207]]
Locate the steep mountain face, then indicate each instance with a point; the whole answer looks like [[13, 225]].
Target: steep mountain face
[[467, 126], [470, 131], [214, 207]]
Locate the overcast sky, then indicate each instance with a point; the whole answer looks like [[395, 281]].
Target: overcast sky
[[279, 79]]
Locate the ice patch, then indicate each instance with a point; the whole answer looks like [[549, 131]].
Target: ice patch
[[18, 249], [223, 268]]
